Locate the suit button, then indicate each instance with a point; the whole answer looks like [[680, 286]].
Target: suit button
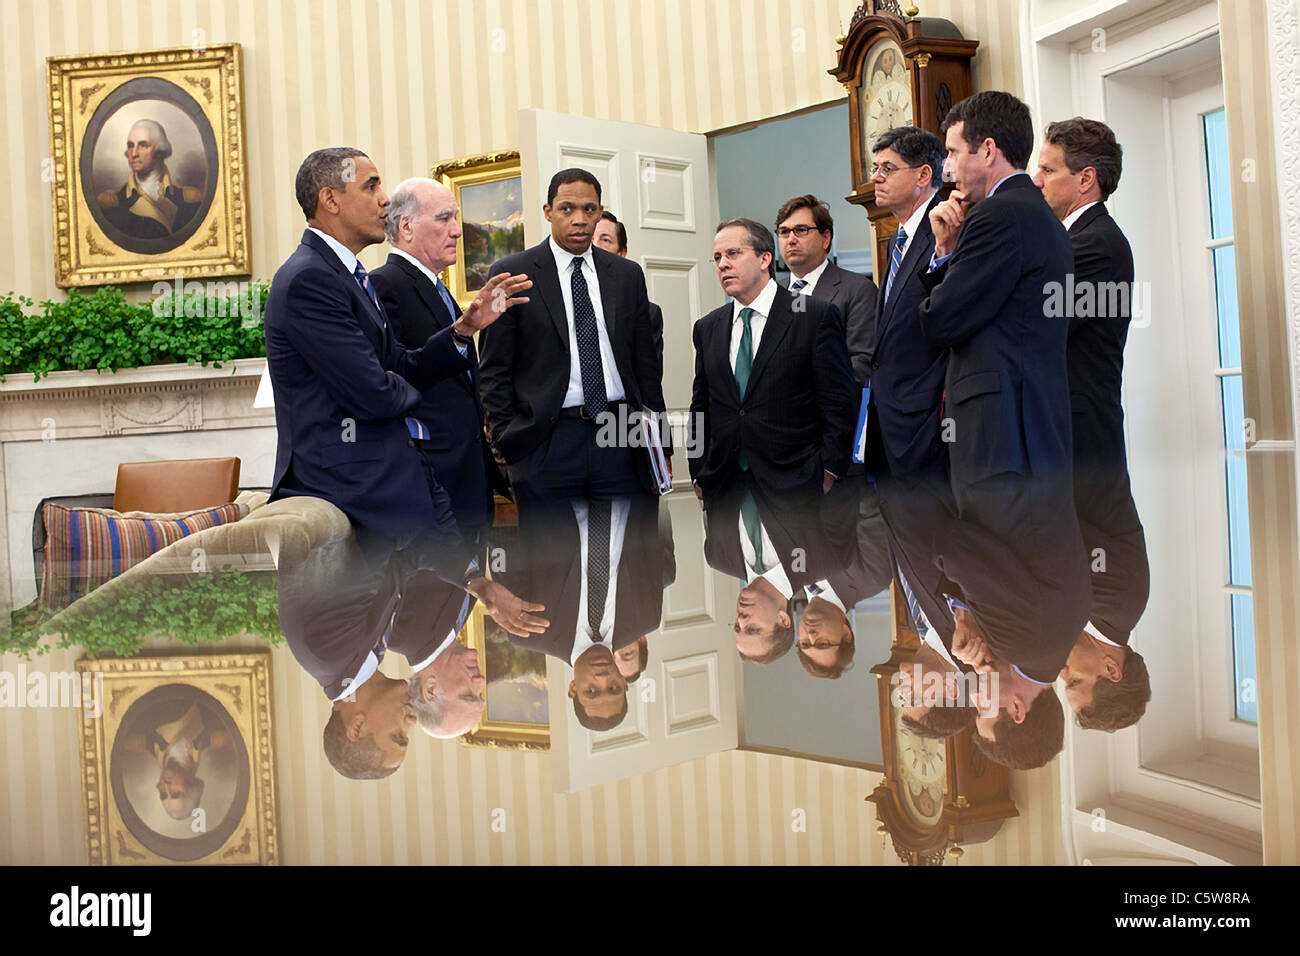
[[875, 364], [742, 413], [554, 419]]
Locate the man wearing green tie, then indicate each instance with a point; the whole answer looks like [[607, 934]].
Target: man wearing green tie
[[773, 394]]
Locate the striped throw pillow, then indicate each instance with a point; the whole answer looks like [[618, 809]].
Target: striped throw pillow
[[84, 547]]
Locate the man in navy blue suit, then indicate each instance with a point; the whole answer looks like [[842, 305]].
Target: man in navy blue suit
[[999, 253], [906, 373], [344, 389]]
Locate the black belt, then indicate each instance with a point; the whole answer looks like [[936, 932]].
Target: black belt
[[580, 411]]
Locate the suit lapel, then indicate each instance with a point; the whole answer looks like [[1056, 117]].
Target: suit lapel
[[547, 280], [322, 249], [605, 276], [916, 256], [774, 330], [428, 294], [1088, 218]]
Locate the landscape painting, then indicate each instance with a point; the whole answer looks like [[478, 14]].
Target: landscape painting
[[488, 190]]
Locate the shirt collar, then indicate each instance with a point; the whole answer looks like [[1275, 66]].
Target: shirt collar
[[1091, 628], [1073, 217], [1040, 683], [346, 255], [564, 258], [446, 643], [367, 671], [812, 277], [762, 303], [913, 223], [432, 276], [1018, 172]]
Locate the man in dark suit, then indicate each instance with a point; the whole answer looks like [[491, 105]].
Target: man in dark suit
[[344, 390], [804, 228], [1106, 680], [576, 359], [422, 228], [773, 391], [611, 235], [906, 372], [601, 566], [999, 253]]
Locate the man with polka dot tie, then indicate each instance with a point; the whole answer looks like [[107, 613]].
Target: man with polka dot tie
[[559, 370]]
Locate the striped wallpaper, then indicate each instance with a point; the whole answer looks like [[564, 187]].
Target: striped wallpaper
[[418, 81]]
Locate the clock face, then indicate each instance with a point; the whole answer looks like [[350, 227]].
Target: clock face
[[886, 94], [922, 766]]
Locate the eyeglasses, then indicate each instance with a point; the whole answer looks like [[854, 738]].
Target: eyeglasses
[[800, 231], [886, 171], [819, 645]]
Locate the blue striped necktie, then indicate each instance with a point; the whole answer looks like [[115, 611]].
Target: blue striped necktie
[[363, 278], [895, 259], [797, 286], [918, 619]]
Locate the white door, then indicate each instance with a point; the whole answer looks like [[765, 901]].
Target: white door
[[685, 705]]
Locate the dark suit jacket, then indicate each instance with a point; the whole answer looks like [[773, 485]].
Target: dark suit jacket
[[852, 511], [451, 409], [915, 514], [1006, 384], [907, 372], [855, 296], [1095, 351], [431, 608], [547, 568], [342, 387], [799, 409], [524, 355]]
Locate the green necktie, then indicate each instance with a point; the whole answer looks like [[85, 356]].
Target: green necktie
[[753, 528], [744, 365]]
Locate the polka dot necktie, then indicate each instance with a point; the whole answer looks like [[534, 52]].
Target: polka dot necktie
[[598, 516], [594, 396]]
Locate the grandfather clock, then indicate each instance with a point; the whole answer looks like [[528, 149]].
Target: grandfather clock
[[936, 794], [899, 70]]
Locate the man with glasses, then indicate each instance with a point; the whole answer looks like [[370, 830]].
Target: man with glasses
[[804, 229], [906, 372]]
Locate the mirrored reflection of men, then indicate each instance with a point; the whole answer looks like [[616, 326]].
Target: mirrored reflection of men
[[580, 348], [773, 389], [907, 373], [423, 228], [805, 229], [149, 205], [1106, 680], [776, 545], [600, 566], [611, 235], [179, 747], [340, 611]]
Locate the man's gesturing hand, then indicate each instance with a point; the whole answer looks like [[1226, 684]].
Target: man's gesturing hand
[[499, 294], [946, 219], [512, 613]]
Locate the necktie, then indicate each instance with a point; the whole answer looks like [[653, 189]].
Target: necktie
[[744, 365], [918, 619], [895, 259], [446, 300], [597, 563], [753, 528], [797, 286], [363, 279], [584, 326]]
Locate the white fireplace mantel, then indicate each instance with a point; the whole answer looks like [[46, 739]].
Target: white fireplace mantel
[[67, 433]]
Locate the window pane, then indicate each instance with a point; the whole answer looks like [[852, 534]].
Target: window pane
[[1216, 157], [1243, 657], [1238, 519], [1225, 294]]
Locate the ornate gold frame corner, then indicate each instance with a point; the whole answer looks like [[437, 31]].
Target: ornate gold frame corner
[[499, 734], [455, 174]]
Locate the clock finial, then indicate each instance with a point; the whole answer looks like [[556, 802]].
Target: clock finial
[[912, 11], [840, 38]]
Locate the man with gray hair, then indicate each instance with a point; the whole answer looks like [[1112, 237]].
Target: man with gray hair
[[424, 231], [149, 205]]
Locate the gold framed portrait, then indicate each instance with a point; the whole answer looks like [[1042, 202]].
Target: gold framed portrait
[[489, 191], [147, 165], [177, 762], [516, 715]]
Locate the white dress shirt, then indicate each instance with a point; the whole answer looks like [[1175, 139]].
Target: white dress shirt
[[429, 273], [346, 255], [811, 278], [584, 639], [775, 574], [573, 397], [1073, 217], [762, 306], [823, 590], [911, 228], [1091, 628]]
